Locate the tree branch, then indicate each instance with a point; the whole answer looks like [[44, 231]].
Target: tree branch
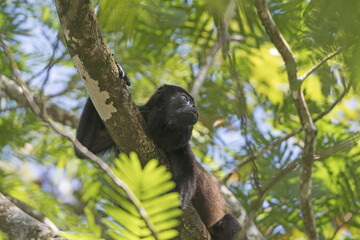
[[249, 228], [321, 115], [112, 100], [304, 115], [190, 218], [339, 147], [83, 150], [97, 68], [281, 140], [15, 92], [19, 225], [314, 68], [259, 154], [220, 40], [34, 213], [200, 78], [338, 228]]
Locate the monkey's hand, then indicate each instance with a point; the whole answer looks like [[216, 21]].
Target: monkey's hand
[[185, 186], [122, 74]]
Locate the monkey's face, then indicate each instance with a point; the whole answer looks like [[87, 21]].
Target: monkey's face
[[170, 115], [172, 105], [183, 109]]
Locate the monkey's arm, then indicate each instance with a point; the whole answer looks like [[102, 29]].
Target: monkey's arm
[[91, 131], [183, 168], [195, 184]]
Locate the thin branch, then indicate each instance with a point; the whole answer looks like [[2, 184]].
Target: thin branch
[[58, 114], [274, 33], [221, 38], [50, 65], [200, 78], [83, 150], [338, 228], [51, 62], [259, 154], [292, 166], [281, 140], [321, 115], [308, 151], [339, 147], [314, 68]]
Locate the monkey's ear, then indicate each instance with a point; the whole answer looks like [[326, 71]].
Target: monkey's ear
[[144, 110], [161, 89]]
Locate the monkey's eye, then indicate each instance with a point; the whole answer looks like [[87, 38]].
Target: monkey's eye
[[183, 97]]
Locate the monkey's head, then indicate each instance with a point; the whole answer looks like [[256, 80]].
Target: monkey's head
[[170, 115], [175, 105]]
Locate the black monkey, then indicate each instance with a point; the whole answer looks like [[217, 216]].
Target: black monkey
[[170, 115]]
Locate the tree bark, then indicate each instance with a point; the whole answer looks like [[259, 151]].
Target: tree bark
[[20, 226]]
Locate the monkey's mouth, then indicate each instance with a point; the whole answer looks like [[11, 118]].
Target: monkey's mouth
[[195, 112]]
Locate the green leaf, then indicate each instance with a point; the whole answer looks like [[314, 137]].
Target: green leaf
[[78, 236], [153, 188]]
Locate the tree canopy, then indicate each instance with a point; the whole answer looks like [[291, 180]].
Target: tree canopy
[[276, 83]]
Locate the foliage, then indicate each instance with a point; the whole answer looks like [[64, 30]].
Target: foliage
[[160, 42], [152, 187]]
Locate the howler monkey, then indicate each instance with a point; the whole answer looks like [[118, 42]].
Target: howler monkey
[[170, 115]]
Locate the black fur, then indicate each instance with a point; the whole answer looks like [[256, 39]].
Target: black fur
[[170, 115], [226, 228]]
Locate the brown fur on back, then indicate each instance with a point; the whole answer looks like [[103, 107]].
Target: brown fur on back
[[208, 200]]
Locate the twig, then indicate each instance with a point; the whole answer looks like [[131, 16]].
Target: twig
[[341, 146], [336, 231], [292, 166], [314, 68], [259, 154], [280, 140], [321, 115], [274, 33], [83, 150], [221, 38], [50, 64], [257, 204], [200, 78]]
